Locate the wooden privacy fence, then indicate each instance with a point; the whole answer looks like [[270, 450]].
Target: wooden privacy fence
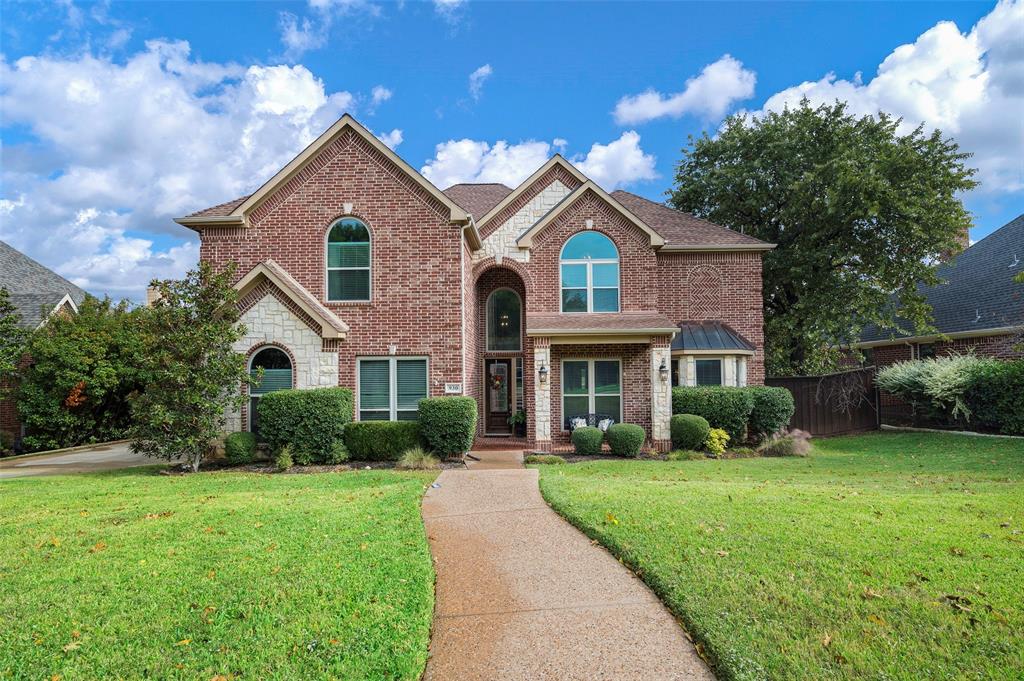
[[833, 404]]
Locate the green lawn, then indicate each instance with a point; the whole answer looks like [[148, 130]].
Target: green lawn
[[884, 556], [133, 574]]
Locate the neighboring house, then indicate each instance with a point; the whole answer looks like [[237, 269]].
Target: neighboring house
[[37, 292], [978, 307], [553, 297]]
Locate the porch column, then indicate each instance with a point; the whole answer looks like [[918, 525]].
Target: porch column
[[542, 393], [661, 393]]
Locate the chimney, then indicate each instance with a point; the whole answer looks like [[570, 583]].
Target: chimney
[[152, 295]]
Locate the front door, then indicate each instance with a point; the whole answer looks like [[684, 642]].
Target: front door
[[499, 396]]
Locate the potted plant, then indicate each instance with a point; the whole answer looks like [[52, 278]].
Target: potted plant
[[518, 422]]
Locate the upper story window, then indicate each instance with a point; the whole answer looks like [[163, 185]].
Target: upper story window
[[504, 321], [348, 261], [590, 274]]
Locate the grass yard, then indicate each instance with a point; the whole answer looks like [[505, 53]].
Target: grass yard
[[221, 575], [883, 556]]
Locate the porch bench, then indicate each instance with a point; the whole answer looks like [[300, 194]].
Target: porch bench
[[592, 420]]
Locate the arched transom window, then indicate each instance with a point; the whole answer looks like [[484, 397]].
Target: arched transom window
[[590, 274], [277, 375], [504, 325], [348, 261]]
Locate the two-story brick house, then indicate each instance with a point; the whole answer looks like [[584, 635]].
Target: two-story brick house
[[553, 297]]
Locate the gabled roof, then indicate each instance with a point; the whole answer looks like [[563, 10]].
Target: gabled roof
[[478, 198], [685, 232], [238, 213], [525, 239], [330, 325], [710, 337], [35, 290], [978, 294], [556, 160]]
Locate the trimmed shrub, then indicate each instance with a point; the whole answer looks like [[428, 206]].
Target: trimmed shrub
[[544, 459], [688, 431], [416, 459], [773, 408], [684, 455], [716, 442], [995, 396], [626, 439], [795, 443], [240, 448], [311, 421], [283, 459], [587, 440], [725, 408], [339, 453], [381, 440], [448, 424]]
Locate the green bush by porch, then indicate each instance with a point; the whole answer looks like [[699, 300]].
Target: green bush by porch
[[448, 424], [381, 440], [688, 431], [725, 408], [310, 421], [587, 440]]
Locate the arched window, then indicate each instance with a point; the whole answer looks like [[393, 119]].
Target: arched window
[[277, 375], [348, 261], [590, 274], [504, 321]]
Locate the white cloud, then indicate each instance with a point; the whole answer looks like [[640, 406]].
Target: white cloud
[[380, 94], [710, 94], [611, 165], [302, 34], [391, 139], [119, 149], [477, 80], [970, 86], [618, 163], [450, 10]]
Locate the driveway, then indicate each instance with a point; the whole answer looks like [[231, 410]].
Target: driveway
[[94, 459], [521, 594]]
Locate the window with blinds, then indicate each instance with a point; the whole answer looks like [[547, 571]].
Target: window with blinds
[[276, 369], [390, 388], [348, 261]]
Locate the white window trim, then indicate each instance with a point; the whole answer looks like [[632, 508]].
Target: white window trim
[[591, 394], [590, 262], [733, 368], [328, 269], [392, 409], [487, 320]]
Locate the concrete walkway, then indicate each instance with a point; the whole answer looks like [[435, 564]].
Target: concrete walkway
[[521, 594], [105, 457]]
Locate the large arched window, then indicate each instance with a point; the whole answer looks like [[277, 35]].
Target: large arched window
[[348, 261], [590, 274], [504, 321], [277, 375]]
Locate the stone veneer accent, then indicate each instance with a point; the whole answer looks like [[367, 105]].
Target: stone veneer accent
[[502, 242], [661, 394], [542, 394], [269, 322]]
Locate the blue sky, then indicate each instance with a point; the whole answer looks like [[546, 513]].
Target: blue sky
[[118, 117]]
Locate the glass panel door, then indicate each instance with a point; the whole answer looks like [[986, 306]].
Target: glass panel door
[[498, 376]]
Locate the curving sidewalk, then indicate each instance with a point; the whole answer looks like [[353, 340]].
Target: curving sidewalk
[[521, 594]]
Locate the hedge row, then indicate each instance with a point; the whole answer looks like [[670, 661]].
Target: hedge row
[[381, 440], [311, 422], [757, 410], [995, 396]]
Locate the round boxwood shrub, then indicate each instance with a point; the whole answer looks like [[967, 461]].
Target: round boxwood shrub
[[310, 421], [587, 440], [773, 408], [448, 424], [381, 440], [688, 431], [240, 448], [626, 439], [725, 408]]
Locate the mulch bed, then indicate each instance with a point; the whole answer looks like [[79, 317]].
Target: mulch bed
[[219, 465]]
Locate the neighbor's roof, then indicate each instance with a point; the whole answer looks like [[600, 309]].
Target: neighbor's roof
[[708, 336], [477, 199], [599, 323], [978, 293], [681, 230], [35, 289]]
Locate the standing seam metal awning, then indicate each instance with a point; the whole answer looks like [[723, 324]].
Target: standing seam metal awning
[[708, 336]]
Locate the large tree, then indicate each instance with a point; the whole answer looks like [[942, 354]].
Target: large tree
[[12, 342], [860, 212], [193, 373]]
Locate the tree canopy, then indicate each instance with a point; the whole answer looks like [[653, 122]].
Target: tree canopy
[[12, 342], [860, 212]]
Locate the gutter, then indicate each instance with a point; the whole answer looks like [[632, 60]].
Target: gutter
[[689, 248], [931, 338]]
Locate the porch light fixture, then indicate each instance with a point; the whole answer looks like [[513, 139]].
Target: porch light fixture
[[663, 370], [543, 373]]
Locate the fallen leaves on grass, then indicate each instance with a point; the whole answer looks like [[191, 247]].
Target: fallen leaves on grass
[[610, 517], [826, 640], [98, 546], [183, 642], [869, 593]]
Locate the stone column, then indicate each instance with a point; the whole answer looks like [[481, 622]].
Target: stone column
[[661, 394], [542, 394]]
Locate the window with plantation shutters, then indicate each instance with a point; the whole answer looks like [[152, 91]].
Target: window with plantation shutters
[[277, 375], [390, 388], [348, 261]]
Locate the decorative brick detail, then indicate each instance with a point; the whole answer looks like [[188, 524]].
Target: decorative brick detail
[[705, 292]]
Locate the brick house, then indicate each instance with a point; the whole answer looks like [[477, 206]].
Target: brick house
[[37, 293], [553, 297], [977, 308]]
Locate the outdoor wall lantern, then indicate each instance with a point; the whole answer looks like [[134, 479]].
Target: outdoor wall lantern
[[543, 373], [663, 370]]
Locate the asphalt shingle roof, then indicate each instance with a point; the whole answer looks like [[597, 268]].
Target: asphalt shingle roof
[[601, 321], [221, 209], [34, 288], [679, 228], [477, 198], [978, 292]]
